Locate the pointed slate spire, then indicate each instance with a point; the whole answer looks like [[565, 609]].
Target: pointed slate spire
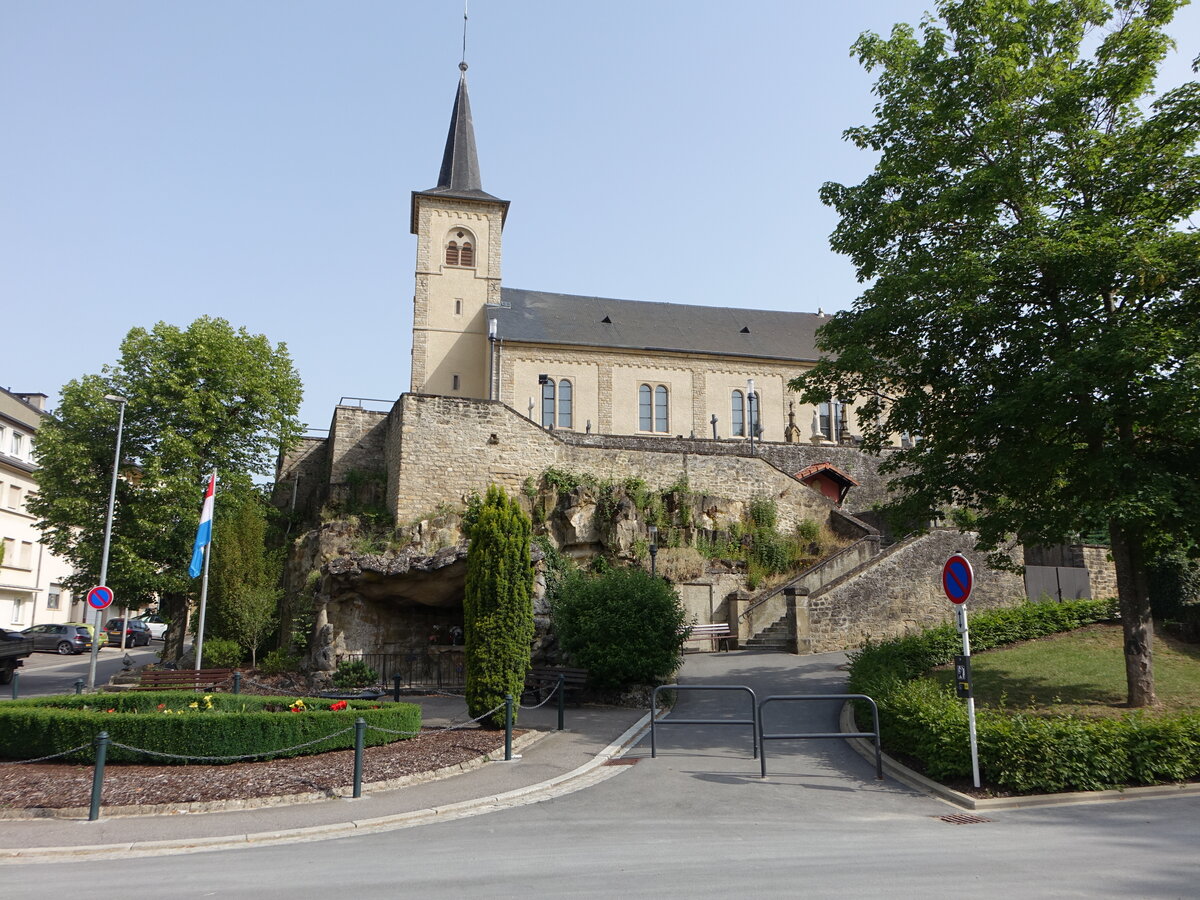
[[460, 162]]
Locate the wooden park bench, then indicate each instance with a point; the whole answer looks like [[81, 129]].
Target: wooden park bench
[[541, 680], [718, 633], [181, 679]]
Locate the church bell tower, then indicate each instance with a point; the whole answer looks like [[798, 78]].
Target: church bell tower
[[458, 227]]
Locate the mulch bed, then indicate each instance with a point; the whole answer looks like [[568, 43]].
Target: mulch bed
[[59, 786]]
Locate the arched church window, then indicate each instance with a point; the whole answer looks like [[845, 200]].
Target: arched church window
[[467, 256], [662, 421], [452, 253], [548, 403], [645, 408], [737, 419], [564, 404]]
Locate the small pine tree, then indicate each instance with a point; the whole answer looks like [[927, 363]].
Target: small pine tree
[[497, 604]]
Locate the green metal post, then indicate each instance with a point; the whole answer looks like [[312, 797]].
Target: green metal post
[[79, 685], [562, 700], [508, 723], [360, 734], [16, 681], [98, 775], [237, 682]]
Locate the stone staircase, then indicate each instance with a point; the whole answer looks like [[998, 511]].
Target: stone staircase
[[775, 637]]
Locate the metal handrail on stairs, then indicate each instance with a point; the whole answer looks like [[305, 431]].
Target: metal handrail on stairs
[[829, 559]]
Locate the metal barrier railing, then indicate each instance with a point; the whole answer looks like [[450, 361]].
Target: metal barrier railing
[[752, 721], [764, 737]]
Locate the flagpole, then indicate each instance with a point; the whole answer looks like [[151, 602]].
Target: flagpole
[[203, 602]]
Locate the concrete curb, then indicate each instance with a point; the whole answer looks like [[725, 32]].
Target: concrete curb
[[591, 772], [935, 789]]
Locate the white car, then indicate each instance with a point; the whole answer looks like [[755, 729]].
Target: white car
[[156, 623]]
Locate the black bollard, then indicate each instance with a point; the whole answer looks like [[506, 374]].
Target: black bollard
[[396, 688], [562, 700], [79, 685], [360, 733], [98, 775], [16, 681], [508, 723], [237, 682]]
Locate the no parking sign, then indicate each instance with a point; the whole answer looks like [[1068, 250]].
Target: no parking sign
[[100, 597]]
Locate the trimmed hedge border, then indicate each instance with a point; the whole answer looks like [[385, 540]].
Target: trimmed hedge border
[[1018, 752], [235, 725]]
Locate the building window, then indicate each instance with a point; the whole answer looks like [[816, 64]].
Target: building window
[[10, 547], [564, 404], [18, 611], [548, 403], [454, 382], [830, 419], [14, 497], [737, 419], [54, 598], [452, 253], [458, 307], [653, 405], [26, 555], [18, 444], [460, 251], [467, 256]]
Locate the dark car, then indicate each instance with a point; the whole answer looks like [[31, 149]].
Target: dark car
[[60, 638], [137, 633]]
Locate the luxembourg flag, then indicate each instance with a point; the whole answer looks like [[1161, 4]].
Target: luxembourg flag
[[204, 532]]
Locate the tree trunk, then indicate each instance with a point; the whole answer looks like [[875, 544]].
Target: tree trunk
[[1134, 595], [175, 608]]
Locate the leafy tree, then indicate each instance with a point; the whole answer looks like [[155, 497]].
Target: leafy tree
[[497, 603], [1034, 286], [623, 626], [243, 589], [201, 398]]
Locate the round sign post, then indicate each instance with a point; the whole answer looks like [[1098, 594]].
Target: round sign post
[[958, 578]]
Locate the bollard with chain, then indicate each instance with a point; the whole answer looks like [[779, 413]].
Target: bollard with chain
[[98, 775], [508, 723], [79, 685], [562, 699], [396, 687], [237, 682], [360, 733]]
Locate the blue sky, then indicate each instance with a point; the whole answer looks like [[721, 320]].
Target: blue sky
[[254, 160]]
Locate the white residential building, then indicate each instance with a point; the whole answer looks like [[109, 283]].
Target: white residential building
[[31, 578]]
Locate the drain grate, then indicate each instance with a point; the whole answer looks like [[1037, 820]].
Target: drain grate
[[621, 762], [962, 819]]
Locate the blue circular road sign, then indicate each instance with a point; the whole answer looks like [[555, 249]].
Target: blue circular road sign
[[100, 597], [958, 578]]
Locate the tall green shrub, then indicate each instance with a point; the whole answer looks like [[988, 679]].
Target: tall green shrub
[[623, 626], [498, 603]]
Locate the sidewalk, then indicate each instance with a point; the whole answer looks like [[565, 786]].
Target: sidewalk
[[550, 763]]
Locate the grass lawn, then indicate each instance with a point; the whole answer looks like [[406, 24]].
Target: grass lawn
[[1080, 673]]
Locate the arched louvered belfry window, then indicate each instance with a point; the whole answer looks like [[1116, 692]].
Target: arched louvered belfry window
[[466, 256], [737, 417], [452, 253]]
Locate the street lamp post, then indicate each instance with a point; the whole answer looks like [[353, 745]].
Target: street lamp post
[[653, 530], [112, 498]]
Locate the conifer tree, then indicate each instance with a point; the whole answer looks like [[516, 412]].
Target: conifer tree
[[498, 603]]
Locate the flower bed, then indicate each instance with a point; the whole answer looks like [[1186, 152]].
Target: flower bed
[[192, 726], [1018, 752]]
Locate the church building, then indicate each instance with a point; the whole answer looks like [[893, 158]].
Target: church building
[[593, 364]]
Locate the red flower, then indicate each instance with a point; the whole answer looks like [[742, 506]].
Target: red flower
[[341, 704], [112, 710]]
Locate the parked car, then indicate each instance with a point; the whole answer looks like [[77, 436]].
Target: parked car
[[137, 634], [91, 630], [62, 639], [156, 623], [14, 647]]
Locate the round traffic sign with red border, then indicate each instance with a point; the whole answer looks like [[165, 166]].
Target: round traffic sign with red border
[[958, 578], [100, 597]]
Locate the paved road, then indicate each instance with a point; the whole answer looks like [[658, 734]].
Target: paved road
[[49, 673], [698, 822]]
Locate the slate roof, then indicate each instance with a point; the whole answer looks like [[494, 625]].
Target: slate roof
[[546, 318], [459, 176]]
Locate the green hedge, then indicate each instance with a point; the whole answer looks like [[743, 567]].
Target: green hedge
[[165, 721], [1017, 751]]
